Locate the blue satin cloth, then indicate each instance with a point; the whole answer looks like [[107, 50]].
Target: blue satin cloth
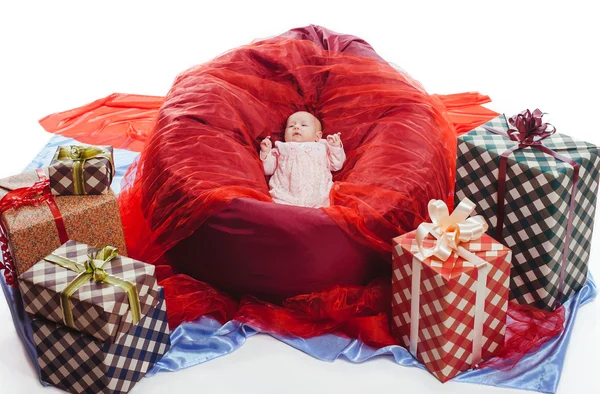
[[21, 321], [206, 339]]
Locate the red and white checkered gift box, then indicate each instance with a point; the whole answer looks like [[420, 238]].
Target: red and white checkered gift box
[[450, 314]]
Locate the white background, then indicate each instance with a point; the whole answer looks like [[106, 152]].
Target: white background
[[56, 56]]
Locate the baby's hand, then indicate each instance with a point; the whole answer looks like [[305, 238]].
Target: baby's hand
[[266, 145], [334, 140]]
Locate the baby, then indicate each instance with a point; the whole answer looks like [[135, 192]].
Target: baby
[[301, 166]]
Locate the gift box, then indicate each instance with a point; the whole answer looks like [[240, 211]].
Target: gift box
[[33, 223], [98, 318], [79, 363], [450, 288], [64, 288], [547, 184], [79, 170]]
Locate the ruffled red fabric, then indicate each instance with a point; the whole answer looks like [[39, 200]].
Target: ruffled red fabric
[[202, 152], [188, 299], [125, 120], [120, 120], [527, 330], [354, 311]]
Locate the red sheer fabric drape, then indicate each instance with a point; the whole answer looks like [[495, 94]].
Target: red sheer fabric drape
[[120, 120], [528, 329], [358, 312], [201, 154]]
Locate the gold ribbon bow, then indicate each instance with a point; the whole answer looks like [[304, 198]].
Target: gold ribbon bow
[[93, 268], [79, 155], [450, 229]]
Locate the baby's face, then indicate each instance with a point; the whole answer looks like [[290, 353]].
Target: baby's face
[[302, 127]]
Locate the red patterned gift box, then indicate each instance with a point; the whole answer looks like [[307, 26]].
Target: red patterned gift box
[[450, 289]]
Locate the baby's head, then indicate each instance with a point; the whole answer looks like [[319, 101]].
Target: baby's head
[[302, 127]]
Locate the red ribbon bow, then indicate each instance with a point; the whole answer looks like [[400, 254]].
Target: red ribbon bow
[[33, 195], [26, 196], [529, 129]]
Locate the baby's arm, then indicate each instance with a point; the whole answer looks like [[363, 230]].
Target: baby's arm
[[269, 162], [335, 152], [267, 156]]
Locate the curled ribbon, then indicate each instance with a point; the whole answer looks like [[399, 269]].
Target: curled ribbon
[[79, 155], [529, 129], [450, 230], [33, 195], [93, 268]]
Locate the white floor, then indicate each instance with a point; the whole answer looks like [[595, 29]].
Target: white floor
[[55, 56]]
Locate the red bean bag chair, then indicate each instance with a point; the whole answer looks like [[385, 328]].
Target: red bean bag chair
[[198, 200]]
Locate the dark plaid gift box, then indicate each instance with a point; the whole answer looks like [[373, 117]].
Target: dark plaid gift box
[[78, 169], [79, 363], [99, 309], [536, 205]]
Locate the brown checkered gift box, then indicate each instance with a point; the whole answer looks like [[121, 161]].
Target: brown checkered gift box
[[98, 308], [450, 289], [33, 223], [79, 169], [79, 363]]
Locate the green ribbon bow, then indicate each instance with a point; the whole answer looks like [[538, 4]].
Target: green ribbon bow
[[93, 269], [79, 155]]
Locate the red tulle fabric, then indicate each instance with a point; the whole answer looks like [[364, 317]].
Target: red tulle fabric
[[188, 299], [199, 151], [202, 152], [353, 311], [527, 330], [120, 120], [356, 312]]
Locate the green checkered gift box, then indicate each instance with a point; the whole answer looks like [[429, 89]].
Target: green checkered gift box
[[537, 191]]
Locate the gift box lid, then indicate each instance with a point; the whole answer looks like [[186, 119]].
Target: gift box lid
[[101, 310], [496, 145], [92, 176], [105, 157], [484, 248]]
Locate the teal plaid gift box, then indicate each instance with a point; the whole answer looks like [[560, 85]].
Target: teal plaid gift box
[[536, 205]]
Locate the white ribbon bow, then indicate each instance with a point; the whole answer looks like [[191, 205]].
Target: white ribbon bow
[[450, 230]]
